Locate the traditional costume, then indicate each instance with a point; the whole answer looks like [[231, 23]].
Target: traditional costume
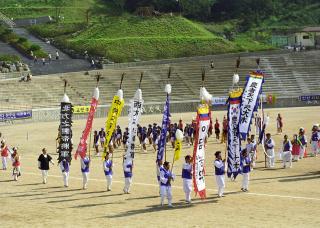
[[296, 145], [303, 139], [127, 169], [165, 185], [269, 147], [219, 172], [4, 154], [315, 139], [108, 171], [287, 153], [16, 164], [246, 169], [187, 180], [85, 163], [65, 169]]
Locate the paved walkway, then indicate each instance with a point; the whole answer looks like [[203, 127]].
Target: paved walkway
[[63, 65]]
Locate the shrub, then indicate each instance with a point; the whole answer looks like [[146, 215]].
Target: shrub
[[9, 58], [34, 47]]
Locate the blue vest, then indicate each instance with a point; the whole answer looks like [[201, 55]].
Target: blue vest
[[219, 171], [315, 136], [86, 162], [186, 173], [66, 165], [269, 147], [246, 160], [108, 164], [302, 139], [128, 174], [167, 174], [286, 146]]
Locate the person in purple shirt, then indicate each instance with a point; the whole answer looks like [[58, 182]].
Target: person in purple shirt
[[286, 152]]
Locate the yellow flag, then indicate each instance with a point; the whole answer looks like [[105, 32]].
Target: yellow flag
[[114, 113], [177, 150]]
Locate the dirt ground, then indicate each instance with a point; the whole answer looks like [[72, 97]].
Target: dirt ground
[[277, 197]]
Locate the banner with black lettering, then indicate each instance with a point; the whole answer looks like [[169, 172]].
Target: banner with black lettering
[[203, 122], [249, 102], [65, 141], [136, 106], [234, 145]]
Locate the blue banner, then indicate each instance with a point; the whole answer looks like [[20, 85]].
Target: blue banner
[[15, 115], [310, 98], [163, 135], [216, 101]]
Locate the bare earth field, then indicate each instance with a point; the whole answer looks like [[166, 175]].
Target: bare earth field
[[277, 197]]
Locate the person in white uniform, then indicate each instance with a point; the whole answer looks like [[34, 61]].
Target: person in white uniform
[[219, 168], [108, 170], [286, 152], [269, 145], [166, 176], [187, 177]]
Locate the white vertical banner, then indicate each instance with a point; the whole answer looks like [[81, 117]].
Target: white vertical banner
[[136, 105], [249, 101]]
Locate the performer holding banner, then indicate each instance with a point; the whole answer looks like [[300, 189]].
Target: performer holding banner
[[136, 106], [202, 126], [65, 142]]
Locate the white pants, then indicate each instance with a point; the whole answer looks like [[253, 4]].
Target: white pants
[[301, 152], [16, 172], [65, 176], [109, 181], [286, 157], [4, 162], [315, 147], [245, 180], [127, 184], [253, 156], [187, 188], [270, 158], [44, 176], [165, 191], [85, 179], [220, 184]]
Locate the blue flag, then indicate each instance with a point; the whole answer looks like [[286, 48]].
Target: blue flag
[[164, 130]]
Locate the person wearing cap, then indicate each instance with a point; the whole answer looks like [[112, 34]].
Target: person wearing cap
[[4, 154], [166, 176], [187, 177], [246, 169], [127, 170], [16, 164], [269, 145], [315, 139], [219, 173], [108, 170], [65, 169], [43, 164], [286, 152], [304, 142], [85, 163]]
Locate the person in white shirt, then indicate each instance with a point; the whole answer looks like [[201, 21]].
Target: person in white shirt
[[287, 152], [187, 177], [108, 170], [269, 147], [219, 173], [166, 176], [85, 163]]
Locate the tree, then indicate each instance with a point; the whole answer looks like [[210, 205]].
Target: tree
[[200, 9], [58, 4]]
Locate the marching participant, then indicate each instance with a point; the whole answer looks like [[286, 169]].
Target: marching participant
[[279, 124], [43, 164], [224, 130], [4, 154], [250, 147], [16, 164], [85, 163], [286, 152], [246, 168], [166, 176], [217, 129], [118, 136], [304, 142], [315, 139], [269, 147], [187, 177], [296, 146], [219, 172], [96, 142], [108, 170], [65, 169], [102, 135], [127, 169]]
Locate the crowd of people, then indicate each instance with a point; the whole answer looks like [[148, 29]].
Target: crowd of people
[[292, 150]]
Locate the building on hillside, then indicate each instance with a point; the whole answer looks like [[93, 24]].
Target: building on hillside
[[308, 37]]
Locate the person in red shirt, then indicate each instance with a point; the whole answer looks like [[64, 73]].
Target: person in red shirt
[[16, 164], [217, 129], [4, 154], [224, 130]]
